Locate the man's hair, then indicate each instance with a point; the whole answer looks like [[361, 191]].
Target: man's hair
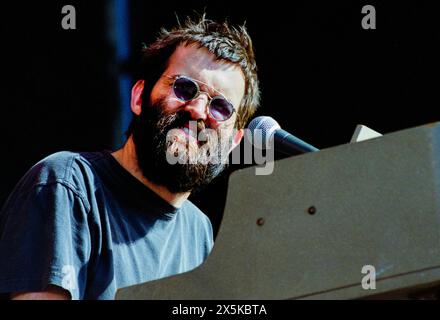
[[227, 43]]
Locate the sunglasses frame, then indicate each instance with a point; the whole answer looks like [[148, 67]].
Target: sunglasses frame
[[199, 91]]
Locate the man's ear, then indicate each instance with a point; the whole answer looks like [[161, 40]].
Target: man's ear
[[237, 138], [136, 97]]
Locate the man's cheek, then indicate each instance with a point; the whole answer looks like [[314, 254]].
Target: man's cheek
[[170, 105]]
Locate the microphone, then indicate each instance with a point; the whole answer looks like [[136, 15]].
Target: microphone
[[284, 141]]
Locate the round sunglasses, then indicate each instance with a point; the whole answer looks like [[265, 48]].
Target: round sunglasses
[[187, 89]]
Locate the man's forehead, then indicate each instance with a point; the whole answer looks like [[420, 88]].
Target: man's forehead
[[198, 57]]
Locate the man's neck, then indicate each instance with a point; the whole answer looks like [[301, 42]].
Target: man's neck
[[126, 156]]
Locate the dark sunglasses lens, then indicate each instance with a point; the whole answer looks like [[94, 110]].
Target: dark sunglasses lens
[[185, 89], [221, 109]]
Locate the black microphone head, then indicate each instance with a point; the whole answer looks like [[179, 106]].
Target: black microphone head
[[262, 128]]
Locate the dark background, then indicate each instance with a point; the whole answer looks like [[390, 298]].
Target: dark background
[[320, 72]]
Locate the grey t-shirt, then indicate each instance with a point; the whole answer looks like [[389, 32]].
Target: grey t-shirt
[[82, 222]]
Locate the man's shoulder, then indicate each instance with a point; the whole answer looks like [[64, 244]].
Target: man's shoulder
[[201, 227], [65, 167], [195, 214], [61, 165], [192, 209]]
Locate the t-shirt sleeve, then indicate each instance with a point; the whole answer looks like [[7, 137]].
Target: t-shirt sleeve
[[44, 239]]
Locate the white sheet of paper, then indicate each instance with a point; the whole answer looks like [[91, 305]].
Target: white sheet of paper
[[364, 133]]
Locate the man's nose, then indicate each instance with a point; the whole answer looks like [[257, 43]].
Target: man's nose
[[198, 107]]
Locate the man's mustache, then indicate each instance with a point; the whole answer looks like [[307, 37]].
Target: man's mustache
[[181, 119]]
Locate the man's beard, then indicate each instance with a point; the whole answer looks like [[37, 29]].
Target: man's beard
[[150, 131]]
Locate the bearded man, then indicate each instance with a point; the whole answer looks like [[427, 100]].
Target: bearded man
[[81, 225]]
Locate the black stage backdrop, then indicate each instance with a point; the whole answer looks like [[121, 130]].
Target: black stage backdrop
[[321, 73]]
